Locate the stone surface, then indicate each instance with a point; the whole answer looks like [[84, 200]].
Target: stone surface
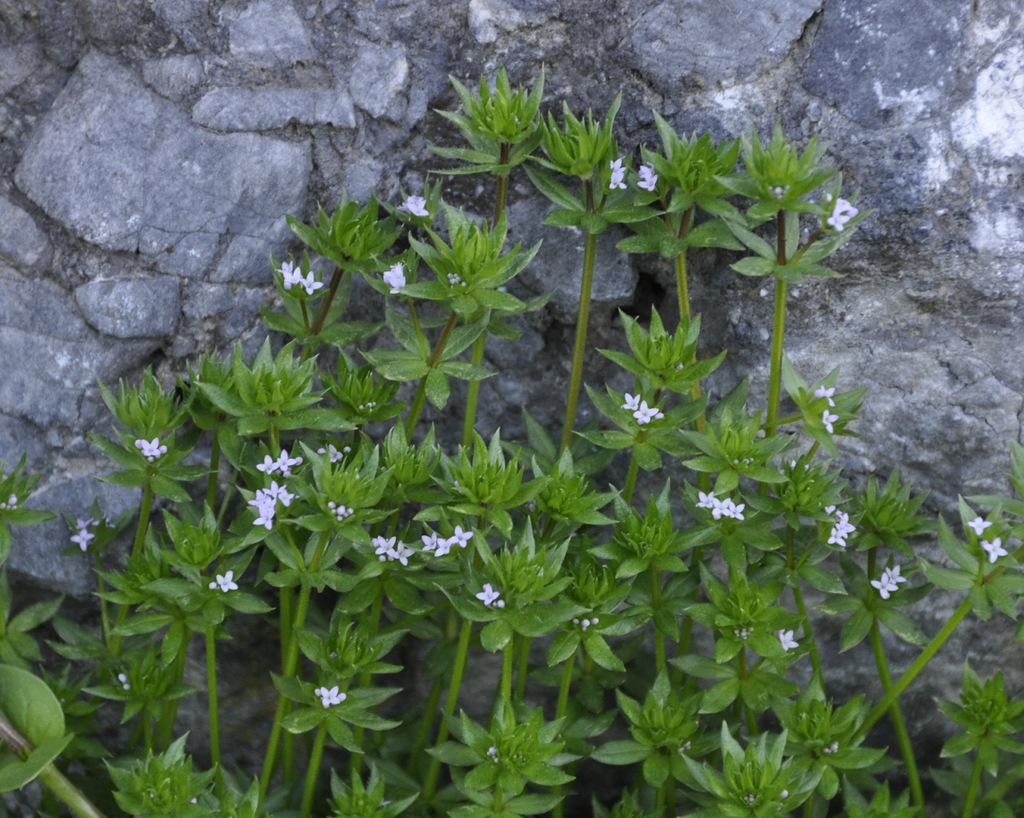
[[235, 109], [21, 242], [126, 170], [269, 33], [379, 75], [174, 77], [131, 307]]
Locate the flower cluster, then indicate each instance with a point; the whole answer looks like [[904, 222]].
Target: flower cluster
[[389, 549], [265, 503], [491, 597], [283, 464], [291, 275], [841, 529], [395, 277], [841, 214], [440, 547], [330, 696], [151, 449], [648, 178], [643, 413], [889, 582], [720, 508], [84, 536], [226, 582], [414, 206]]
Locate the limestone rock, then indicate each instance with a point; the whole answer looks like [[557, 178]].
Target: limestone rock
[[241, 109], [127, 171], [269, 33], [131, 307]]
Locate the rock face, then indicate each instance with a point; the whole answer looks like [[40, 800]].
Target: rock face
[[149, 153]]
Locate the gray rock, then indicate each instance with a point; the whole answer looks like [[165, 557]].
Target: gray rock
[[131, 307], [558, 265], [268, 34], [18, 62], [126, 170], [378, 76], [859, 58], [691, 41], [486, 17], [21, 241], [174, 77], [238, 109]]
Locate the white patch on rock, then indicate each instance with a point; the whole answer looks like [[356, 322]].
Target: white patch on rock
[[993, 121], [487, 16]]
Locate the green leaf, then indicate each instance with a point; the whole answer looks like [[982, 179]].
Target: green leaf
[[29, 704], [619, 753], [437, 388], [495, 635]]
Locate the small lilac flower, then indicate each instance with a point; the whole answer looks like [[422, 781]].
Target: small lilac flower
[[438, 546], [268, 466], [787, 640], [330, 696], [460, 538], [309, 284], [826, 392], [456, 280], [226, 582], [644, 414], [994, 549], [384, 547], [284, 463], [123, 679], [341, 512], [414, 206], [632, 402], [841, 529], [828, 419], [401, 552], [889, 581], [618, 175], [978, 525], [490, 597], [335, 454], [395, 277], [727, 508], [84, 536], [648, 178], [151, 449], [841, 214], [291, 275], [586, 623], [266, 506], [707, 500]]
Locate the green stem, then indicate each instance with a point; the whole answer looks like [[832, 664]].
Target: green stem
[[507, 663], [560, 711], [169, 709], [523, 670], [580, 344], [211, 701], [898, 723], [659, 637], [312, 771], [459, 667], [972, 788], [288, 669], [421, 389], [801, 606], [778, 329], [473, 390], [49, 776], [325, 307], [211, 483], [631, 475], [145, 509]]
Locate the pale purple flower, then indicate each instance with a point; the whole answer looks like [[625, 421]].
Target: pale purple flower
[[284, 463], [335, 454], [268, 466], [84, 536], [841, 529], [632, 402], [291, 275], [330, 695], [994, 549], [826, 392], [226, 582], [648, 178], [978, 525], [151, 449], [889, 581], [617, 181], [309, 284], [726, 508], [414, 206], [401, 552], [586, 623], [490, 597], [438, 546], [644, 414], [828, 419], [384, 547], [787, 640], [395, 277], [460, 538], [707, 500], [841, 214]]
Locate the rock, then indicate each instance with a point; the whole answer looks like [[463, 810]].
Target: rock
[[126, 170], [859, 59], [235, 109], [268, 34], [378, 76], [487, 16], [131, 307], [174, 77], [691, 42], [21, 241]]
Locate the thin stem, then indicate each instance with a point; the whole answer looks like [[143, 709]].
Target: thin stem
[[312, 771], [458, 668], [49, 776], [507, 656], [211, 701], [473, 390], [580, 344], [288, 669], [778, 329], [898, 723], [631, 475], [523, 670], [211, 482], [801, 606], [560, 710], [145, 508], [435, 357], [659, 637], [325, 307], [972, 788]]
